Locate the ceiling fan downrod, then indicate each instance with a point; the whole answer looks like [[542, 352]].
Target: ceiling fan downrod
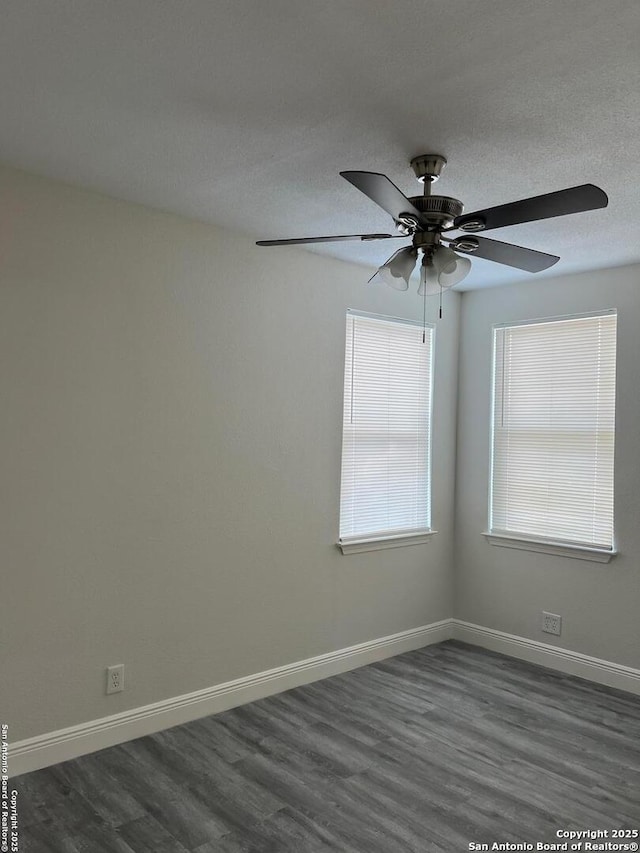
[[437, 212]]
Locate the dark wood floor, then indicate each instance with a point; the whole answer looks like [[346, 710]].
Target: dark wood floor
[[427, 751]]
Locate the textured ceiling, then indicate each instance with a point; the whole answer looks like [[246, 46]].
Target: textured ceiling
[[242, 112]]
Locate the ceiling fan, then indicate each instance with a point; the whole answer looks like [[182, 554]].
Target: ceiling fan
[[427, 218]]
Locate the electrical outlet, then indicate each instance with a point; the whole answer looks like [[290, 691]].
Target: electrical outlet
[[551, 623], [115, 678]]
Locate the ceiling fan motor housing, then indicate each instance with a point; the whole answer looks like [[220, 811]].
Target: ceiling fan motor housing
[[437, 210]]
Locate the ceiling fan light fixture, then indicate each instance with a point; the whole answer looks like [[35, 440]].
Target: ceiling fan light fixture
[[443, 258], [397, 282], [453, 272], [441, 270], [428, 277], [396, 272]]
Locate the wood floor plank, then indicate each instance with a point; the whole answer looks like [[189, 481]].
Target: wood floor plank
[[287, 831], [146, 833], [91, 779], [92, 837], [422, 753]]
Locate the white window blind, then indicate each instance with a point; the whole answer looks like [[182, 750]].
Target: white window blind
[[386, 440], [553, 430]]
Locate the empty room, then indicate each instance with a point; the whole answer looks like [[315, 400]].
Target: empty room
[[320, 426]]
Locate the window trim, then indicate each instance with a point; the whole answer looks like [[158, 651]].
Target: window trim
[[358, 544], [397, 539], [549, 546]]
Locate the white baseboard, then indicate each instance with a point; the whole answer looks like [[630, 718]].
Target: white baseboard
[[64, 744], [573, 663]]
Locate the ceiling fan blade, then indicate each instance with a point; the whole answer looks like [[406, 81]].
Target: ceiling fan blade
[[297, 240], [383, 191], [504, 253], [561, 203]]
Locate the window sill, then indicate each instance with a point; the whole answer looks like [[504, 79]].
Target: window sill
[[544, 546], [379, 543]]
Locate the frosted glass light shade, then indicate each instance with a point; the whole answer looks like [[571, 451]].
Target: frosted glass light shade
[[428, 279], [397, 270], [452, 269], [444, 270], [398, 282]]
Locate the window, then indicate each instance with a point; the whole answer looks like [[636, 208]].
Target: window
[[386, 441], [553, 431]]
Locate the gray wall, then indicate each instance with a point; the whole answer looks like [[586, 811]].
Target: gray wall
[[507, 589], [170, 458], [170, 461]]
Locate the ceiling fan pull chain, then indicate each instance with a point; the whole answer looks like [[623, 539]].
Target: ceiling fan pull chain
[[424, 315], [440, 313]]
